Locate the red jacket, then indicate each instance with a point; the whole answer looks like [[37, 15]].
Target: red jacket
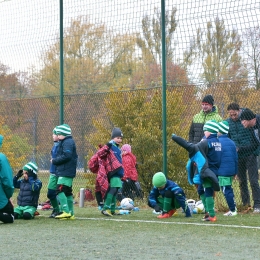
[[129, 165], [102, 163]]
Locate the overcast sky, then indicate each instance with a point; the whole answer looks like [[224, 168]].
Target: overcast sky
[[28, 27]]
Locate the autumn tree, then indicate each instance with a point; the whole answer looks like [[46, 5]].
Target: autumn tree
[[86, 46], [149, 41], [139, 115], [14, 85], [251, 47], [217, 51]]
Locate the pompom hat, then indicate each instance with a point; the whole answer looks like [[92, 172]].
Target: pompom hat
[[126, 147], [55, 130], [223, 127], [211, 126], [64, 130], [159, 180], [31, 166]]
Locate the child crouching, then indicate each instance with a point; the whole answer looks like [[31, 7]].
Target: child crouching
[[167, 196]]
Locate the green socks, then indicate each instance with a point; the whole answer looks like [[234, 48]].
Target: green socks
[[210, 206], [63, 202], [55, 205], [70, 205], [108, 201]]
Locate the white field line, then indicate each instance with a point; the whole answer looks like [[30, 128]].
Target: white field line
[[173, 223]]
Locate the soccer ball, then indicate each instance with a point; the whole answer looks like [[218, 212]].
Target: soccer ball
[[127, 203], [199, 208]]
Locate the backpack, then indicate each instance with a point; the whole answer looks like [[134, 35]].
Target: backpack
[[88, 195]]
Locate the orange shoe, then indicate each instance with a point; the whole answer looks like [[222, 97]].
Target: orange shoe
[[211, 219], [164, 215], [171, 212]]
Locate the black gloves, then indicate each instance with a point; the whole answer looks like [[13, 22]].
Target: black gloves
[[109, 145], [30, 173], [157, 208], [19, 174]]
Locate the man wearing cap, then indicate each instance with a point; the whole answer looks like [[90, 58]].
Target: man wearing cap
[[251, 121], [228, 167], [66, 164], [247, 145], [209, 112], [30, 187]]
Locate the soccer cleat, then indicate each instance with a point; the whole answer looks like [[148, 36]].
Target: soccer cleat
[[165, 215], [230, 213], [206, 216], [70, 218], [63, 215], [116, 213], [107, 213], [256, 210], [211, 219], [172, 212], [54, 214]]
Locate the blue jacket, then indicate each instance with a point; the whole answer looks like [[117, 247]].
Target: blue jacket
[[54, 155], [29, 191], [228, 166], [118, 154], [155, 193], [197, 165], [66, 160], [6, 181], [214, 152]]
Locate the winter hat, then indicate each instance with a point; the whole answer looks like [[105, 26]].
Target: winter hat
[[247, 114], [64, 130], [116, 132], [159, 179], [211, 126], [126, 147], [31, 166], [208, 99], [1, 140], [55, 130], [223, 127]]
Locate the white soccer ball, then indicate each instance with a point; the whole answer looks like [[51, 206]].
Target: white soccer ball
[[199, 208], [127, 203]]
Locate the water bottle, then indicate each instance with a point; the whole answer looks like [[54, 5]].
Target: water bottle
[[124, 212]]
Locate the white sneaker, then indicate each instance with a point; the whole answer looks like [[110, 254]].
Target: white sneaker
[[230, 213], [256, 210]]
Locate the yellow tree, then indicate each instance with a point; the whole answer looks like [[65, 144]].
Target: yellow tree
[[139, 115], [15, 152]]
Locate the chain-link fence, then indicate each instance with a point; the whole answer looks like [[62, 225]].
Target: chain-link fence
[[28, 125], [112, 75]]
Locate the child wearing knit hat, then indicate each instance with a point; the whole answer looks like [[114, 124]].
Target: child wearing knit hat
[[30, 187], [114, 177], [228, 167], [213, 153], [53, 179], [166, 196], [66, 164], [131, 188], [209, 153]]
